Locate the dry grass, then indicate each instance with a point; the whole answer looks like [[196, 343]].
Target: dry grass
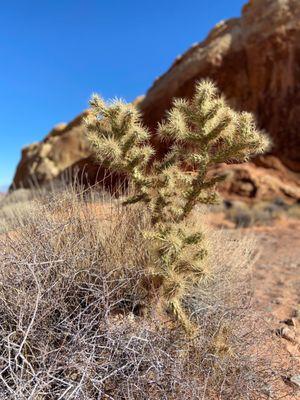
[[75, 315], [18, 203]]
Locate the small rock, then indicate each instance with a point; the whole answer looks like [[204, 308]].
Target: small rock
[[296, 313], [286, 334], [293, 381], [276, 301], [289, 322], [267, 391]]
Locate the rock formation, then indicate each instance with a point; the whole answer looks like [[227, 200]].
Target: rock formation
[[43, 161], [255, 60], [267, 179]]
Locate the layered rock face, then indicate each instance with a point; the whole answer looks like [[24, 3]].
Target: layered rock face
[[267, 179], [42, 162], [255, 60]]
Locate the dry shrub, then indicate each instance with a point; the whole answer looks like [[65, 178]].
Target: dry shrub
[[258, 214], [19, 202], [74, 321], [294, 211]]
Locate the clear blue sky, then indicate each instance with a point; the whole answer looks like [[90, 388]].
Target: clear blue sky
[[55, 53]]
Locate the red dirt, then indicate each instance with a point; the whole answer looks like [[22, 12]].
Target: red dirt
[[276, 283], [277, 287]]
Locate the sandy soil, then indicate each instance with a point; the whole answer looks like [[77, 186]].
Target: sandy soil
[[277, 289], [276, 283], [277, 271]]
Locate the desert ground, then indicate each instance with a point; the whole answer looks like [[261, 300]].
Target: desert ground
[[277, 285]]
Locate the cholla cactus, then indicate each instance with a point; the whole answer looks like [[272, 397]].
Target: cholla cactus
[[202, 132]]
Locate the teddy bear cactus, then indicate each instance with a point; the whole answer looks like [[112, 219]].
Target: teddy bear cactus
[[201, 133]]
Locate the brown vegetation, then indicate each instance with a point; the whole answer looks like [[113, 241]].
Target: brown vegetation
[[75, 318]]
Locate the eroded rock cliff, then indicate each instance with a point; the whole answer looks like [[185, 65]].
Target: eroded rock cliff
[[255, 61]]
